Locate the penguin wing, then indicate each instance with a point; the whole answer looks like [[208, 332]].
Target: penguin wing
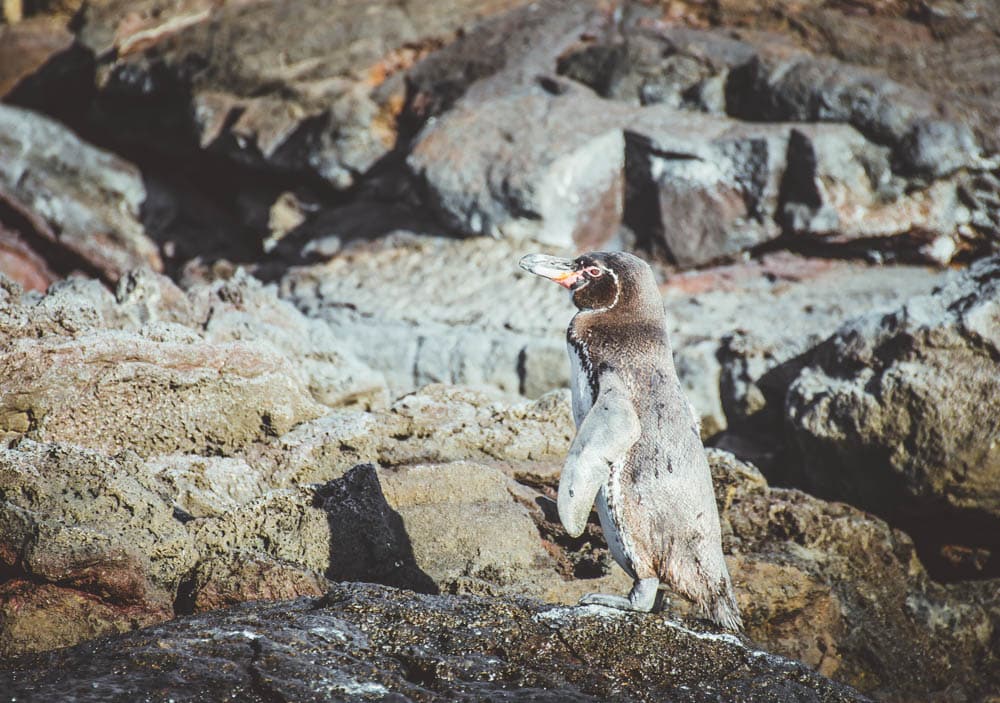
[[607, 432]]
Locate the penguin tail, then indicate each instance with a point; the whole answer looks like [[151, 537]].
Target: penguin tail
[[722, 609]]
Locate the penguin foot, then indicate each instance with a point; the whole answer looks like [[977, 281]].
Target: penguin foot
[[641, 598]]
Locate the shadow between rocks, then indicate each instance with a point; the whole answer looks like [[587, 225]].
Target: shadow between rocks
[[368, 541]]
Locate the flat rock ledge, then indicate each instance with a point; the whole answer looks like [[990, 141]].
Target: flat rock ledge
[[367, 642]]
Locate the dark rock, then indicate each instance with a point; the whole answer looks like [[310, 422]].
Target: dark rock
[[371, 642], [898, 413], [702, 188], [313, 92]]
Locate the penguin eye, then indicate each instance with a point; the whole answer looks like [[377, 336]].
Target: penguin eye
[[594, 271]]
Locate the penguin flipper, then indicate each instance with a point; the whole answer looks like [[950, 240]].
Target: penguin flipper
[[606, 434]]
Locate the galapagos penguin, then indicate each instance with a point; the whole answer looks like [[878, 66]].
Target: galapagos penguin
[[637, 450]]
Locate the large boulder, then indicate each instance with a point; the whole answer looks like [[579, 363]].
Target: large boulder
[[510, 167], [371, 642], [898, 413]]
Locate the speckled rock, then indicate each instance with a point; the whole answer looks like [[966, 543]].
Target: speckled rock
[[375, 643], [88, 548]]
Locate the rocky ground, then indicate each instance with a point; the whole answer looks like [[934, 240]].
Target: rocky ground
[[263, 338]]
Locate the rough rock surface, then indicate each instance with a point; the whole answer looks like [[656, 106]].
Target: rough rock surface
[[832, 586], [86, 547], [375, 643], [898, 413]]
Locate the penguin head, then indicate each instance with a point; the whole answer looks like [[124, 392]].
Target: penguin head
[[600, 280]]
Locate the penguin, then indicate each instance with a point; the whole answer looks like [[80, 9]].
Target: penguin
[[637, 452]]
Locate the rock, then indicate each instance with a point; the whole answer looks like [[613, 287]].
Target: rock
[[195, 396], [702, 188], [735, 363], [841, 188], [372, 641], [220, 582], [894, 413], [309, 96], [422, 310], [90, 199], [368, 540], [438, 424], [510, 167], [220, 343], [840, 589], [90, 549], [457, 553], [500, 55], [25, 47]]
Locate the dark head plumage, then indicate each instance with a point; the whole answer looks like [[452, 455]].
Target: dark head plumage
[[602, 281]]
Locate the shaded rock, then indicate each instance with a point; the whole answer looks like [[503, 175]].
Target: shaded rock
[[83, 537], [368, 539], [500, 55], [376, 642], [840, 589], [90, 199], [313, 92], [896, 412], [27, 46], [511, 167]]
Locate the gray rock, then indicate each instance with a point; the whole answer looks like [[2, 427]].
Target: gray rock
[[373, 642], [897, 412], [90, 199], [702, 188], [511, 166]]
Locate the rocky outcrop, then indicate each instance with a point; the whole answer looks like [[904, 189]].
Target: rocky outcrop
[[896, 412], [369, 642], [832, 586]]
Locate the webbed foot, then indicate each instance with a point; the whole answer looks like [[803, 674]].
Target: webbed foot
[[641, 598]]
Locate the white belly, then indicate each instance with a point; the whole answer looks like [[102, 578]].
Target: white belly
[[583, 398], [612, 535]]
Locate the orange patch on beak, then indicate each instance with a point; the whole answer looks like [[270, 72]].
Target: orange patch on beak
[[566, 280]]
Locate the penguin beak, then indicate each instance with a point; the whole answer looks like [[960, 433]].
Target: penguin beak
[[562, 271]]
